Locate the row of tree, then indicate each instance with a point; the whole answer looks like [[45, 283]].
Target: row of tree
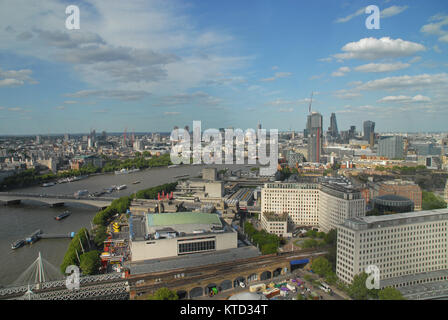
[[33, 176], [266, 242], [151, 193], [140, 162]]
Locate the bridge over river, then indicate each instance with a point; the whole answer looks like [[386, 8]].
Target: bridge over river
[[54, 200]]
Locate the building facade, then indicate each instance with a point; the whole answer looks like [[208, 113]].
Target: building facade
[[391, 147], [315, 137], [320, 204], [338, 202], [406, 247], [298, 200]]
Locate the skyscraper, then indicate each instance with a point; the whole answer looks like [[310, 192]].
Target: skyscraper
[[369, 129], [315, 136], [333, 129]]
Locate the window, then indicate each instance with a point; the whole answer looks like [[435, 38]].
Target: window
[[192, 247]]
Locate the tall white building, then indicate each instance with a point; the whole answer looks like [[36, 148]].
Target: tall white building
[[298, 200], [323, 204], [408, 248], [338, 202]]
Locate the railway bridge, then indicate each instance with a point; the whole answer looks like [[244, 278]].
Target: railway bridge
[[190, 283]]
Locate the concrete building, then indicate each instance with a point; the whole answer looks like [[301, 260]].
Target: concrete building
[[298, 200], [369, 131], [391, 147], [315, 136], [275, 223], [162, 235], [322, 204], [407, 189], [390, 203], [209, 174], [408, 248], [339, 201]]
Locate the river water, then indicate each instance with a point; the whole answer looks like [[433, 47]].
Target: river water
[[19, 221]]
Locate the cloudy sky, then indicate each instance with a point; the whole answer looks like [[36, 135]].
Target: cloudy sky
[[147, 65]]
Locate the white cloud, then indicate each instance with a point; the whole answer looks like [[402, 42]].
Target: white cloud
[[437, 28], [405, 99], [14, 78], [386, 13], [276, 76], [351, 16], [432, 81], [340, 72], [392, 11], [373, 49], [382, 67]]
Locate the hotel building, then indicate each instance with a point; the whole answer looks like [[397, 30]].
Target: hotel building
[[408, 248]]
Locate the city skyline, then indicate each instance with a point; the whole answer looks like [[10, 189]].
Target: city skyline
[[150, 65]]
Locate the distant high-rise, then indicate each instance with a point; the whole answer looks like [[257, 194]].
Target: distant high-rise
[[259, 125], [391, 147], [369, 128], [315, 136], [333, 129]]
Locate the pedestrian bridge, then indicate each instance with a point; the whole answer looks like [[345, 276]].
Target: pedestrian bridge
[[9, 198]]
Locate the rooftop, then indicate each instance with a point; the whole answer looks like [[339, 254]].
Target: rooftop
[[179, 218], [370, 222]]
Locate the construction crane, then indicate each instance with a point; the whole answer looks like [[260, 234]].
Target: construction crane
[[311, 101]]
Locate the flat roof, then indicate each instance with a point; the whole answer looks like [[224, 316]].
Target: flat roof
[[179, 218], [397, 219]]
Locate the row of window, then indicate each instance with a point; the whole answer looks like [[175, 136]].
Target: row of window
[[192, 247]]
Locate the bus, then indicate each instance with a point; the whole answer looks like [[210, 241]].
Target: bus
[[325, 287]]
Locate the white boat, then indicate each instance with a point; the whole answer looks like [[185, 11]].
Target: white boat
[[123, 186]]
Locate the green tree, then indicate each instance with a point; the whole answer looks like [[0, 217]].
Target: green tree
[[390, 293], [358, 289], [163, 294], [430, 201], [321, 266], [100, 236], [90, 262]]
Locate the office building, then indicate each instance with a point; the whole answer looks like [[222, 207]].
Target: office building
[[390, 203], [321, 204], [315, 137], [369, 130], [408, 248], [333, 129], [407, 189], [298, 200], [275, 223], [391, 147], [339, 201]]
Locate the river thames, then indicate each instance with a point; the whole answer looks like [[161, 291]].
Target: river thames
[[18, 221]]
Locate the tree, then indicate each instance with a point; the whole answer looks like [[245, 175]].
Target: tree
[[430, 201], [321, 266], [100, 236], [390, 294], [358, 289], [163, 294], [90, 262]]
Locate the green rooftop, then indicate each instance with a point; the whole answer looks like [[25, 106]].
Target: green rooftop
[[168, 219]]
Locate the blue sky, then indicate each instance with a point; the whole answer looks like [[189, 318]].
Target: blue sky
[[150, 65]]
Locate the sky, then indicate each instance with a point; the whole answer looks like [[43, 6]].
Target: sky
[[148, 65]]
